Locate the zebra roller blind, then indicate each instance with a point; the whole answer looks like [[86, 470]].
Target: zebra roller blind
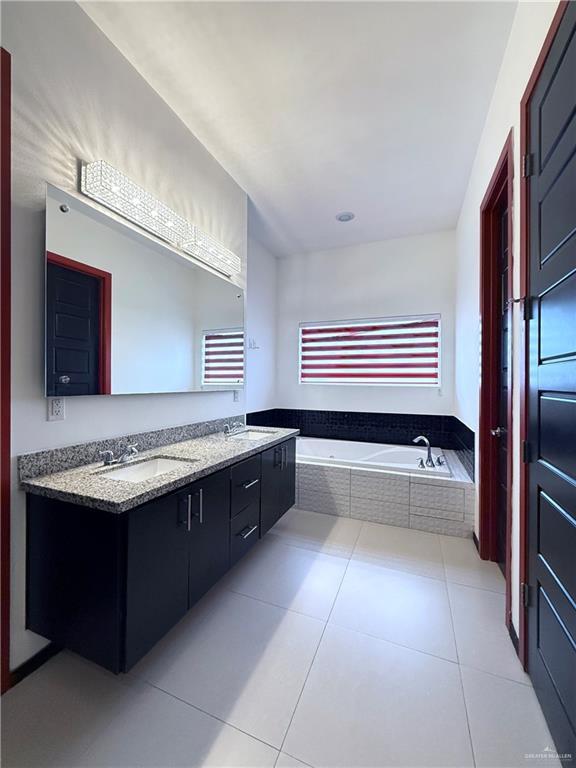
[[386, 351], [223, 357]]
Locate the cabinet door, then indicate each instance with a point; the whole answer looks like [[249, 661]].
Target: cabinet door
[[288, 485], [157, 574], [271, 487], [209, 503]]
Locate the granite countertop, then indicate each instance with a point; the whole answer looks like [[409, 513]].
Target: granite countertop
[[89, 485]]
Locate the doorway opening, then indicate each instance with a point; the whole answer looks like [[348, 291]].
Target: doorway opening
[[495, 433]]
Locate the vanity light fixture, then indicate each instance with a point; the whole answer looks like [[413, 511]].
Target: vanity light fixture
[[110, 187], [206, 248]]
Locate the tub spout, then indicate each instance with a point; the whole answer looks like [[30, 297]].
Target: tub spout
[[423, 439]]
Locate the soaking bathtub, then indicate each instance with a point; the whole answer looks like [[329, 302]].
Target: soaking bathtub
[[345, 453]]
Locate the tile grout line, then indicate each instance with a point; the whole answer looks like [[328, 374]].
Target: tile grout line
[[350, 629], [396, 644], [446, 579], [274, 605], [205, 712], [296, 758], [319, 643], [458, 658], [526, 684]]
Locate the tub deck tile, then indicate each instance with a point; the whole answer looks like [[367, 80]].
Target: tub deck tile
[[326, 503]]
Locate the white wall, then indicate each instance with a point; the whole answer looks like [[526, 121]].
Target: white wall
[[412, 275], [261, 315], [75, 96], [531, 23]]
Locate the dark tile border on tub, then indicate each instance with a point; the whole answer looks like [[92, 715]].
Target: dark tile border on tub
[[464, 444], [397, 428]]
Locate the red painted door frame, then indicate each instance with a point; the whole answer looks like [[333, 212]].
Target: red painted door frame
[[5, 354], [105, 344], [524, 286], [501, 183]]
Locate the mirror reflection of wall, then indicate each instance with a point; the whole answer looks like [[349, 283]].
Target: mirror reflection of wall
[[126, 315]]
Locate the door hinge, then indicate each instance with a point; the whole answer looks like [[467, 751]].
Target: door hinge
[[527, 165], [525, 590], [527, 308], [526, 452]]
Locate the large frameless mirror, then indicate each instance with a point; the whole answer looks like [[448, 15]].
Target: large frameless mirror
[[127, 315]]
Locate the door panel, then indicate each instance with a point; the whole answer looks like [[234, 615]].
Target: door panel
[[73, 332], [556, 211], [552, 387], [555, 110], [557, 537], [209, 535], [558, 320]]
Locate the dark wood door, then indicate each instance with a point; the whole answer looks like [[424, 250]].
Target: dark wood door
[[72, 332], [552, 387], [288, 485], [503, 315], [271, 487], [206, 504], [157, 574]]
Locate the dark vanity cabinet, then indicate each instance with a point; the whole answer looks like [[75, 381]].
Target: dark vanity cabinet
[[177, 548], [278, 483], [157, 561], [206, 504], [109, 585], [245, 507]]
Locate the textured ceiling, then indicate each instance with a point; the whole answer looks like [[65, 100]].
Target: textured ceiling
[[320, 107]]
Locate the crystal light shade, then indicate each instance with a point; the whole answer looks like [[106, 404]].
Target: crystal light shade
[[110, 187], [208, 249]]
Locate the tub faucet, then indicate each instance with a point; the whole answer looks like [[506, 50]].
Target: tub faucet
[[422, 439]]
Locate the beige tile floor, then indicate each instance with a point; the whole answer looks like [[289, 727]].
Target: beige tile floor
[[334, 643]]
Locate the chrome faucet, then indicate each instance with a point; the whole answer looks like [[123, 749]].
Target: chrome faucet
[[429, 459], [237, 426], [130, 452]]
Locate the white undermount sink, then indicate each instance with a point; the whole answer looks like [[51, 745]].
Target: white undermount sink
[[144, 470], [250, 434]]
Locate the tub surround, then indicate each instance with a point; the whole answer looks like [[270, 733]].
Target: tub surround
[[424, 502], [88, 485], [446, 432]]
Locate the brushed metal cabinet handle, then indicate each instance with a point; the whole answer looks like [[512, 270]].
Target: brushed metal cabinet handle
[[248, 533], [189, 519], [250, 484], [201, 512]]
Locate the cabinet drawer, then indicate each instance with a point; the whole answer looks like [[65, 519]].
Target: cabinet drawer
[[244, 531], [245, 485]]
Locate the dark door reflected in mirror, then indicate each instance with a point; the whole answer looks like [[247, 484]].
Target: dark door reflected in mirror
[[127, 315]]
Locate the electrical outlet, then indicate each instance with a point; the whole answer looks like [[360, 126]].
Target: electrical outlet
[[236, 396], [56, 409]]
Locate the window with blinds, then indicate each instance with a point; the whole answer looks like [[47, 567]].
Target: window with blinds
[[399, 351], [223, 357]]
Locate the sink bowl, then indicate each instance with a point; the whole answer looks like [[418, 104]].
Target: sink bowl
[[144, 470], [250, 434]]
